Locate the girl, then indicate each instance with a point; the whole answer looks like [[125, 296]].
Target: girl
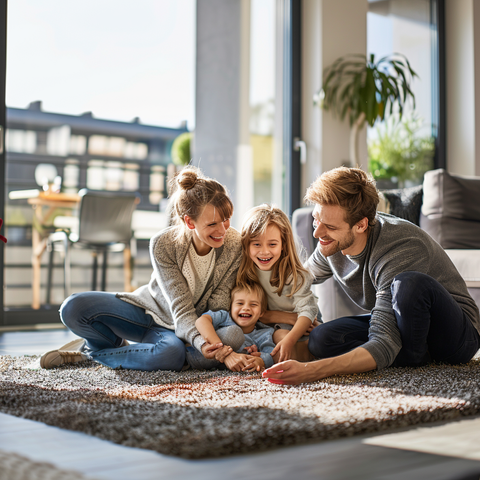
[[270, 258], [195, 265]]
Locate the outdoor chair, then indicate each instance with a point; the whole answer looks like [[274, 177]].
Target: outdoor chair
[[104, 225]]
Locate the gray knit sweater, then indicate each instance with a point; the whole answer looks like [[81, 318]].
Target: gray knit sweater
[[394, 246], [167, 298]]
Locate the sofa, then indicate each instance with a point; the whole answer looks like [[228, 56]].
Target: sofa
[[446, 206]]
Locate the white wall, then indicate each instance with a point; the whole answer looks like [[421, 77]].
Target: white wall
[[476, 52], [460, 86], [331, 28]]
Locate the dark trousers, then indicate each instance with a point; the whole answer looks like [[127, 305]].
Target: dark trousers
[[432, 326]]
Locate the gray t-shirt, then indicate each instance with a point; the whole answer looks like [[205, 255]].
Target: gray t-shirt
[[393, 246]]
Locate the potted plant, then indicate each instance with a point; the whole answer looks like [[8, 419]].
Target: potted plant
[[181, 149], [364, 90], [399, 153]]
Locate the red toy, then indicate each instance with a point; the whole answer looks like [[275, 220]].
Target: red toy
[[2, 238]]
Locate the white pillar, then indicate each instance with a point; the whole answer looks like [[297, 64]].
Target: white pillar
[[222, 146], [331, 29], [460, 86]]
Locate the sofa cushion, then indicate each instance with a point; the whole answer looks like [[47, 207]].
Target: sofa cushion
[[467, 263], [451, 209], [404, 203]]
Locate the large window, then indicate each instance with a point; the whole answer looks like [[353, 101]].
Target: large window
[[96, 92], [409, 27]]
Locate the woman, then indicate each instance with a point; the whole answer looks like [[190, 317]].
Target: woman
[[194, 268]]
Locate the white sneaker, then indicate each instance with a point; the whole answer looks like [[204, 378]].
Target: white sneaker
[[69, 353], [74, 346]]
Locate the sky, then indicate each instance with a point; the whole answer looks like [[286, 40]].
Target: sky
[[118, 59]]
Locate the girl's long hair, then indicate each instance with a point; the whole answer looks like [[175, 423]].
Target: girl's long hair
[[288, 270]]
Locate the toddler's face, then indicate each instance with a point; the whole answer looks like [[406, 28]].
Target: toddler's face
[[246, 310], [265, 250]]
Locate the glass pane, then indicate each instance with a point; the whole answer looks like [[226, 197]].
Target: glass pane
[[403, 150], [265, 107], [96, 93]]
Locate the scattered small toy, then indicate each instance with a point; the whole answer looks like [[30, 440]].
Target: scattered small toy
[[2, 238]]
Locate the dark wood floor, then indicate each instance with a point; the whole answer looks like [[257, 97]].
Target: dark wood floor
[[352, 458]]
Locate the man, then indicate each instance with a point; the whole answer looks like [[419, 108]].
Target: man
[[420, 309]]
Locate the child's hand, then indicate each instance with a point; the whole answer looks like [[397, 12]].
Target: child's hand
[[251, 349], [209, 350], [315, 323], [222, 353], [284, 348], [255, 364], [236, 361]]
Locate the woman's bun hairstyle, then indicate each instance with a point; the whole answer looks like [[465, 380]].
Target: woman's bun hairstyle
[[191, 191], [187, 178]]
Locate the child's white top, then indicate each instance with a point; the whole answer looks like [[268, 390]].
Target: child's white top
[[303, 302], [197, 270]]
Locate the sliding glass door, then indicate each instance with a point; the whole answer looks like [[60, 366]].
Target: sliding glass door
[[97, 100], [3, 63], [96, 93]]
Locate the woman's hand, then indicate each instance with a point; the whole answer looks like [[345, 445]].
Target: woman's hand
[[209, 350], [284, 348], [237, 361], [222, 353]]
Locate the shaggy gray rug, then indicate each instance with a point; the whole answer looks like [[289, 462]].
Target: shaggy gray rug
[[197, 414]]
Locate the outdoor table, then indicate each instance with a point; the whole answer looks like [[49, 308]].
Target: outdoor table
[[44, 205]]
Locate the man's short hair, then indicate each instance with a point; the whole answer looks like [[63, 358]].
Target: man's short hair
[[350, 188], [253, 288]]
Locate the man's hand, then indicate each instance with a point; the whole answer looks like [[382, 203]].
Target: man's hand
[[209, 350], [291, 372], [284, 348], [256, 364], [222, 353]]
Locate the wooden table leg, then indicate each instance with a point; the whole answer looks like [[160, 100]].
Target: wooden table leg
[[38, 247]]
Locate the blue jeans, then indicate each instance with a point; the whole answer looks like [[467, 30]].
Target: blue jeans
[[104, 321], [432, 326]]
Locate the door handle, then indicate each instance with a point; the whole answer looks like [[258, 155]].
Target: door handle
[[301, 146]]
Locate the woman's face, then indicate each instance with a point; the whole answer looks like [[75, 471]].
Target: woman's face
[[208, 230]]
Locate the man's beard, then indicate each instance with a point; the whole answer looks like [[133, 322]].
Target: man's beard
[[338, 245]]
